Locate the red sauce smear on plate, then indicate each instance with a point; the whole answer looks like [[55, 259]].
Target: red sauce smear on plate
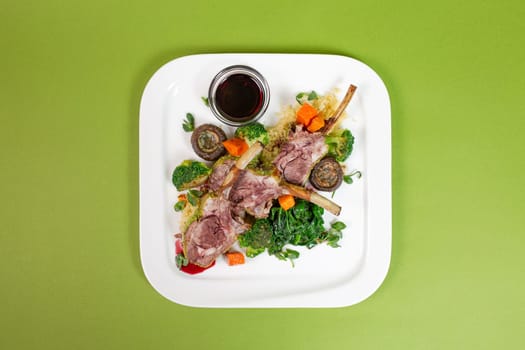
[[193, 269]]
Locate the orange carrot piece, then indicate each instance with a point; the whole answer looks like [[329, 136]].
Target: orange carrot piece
[[235, 146], [286, 201], [305, 114], [182, 197], [316, 124], [235, 258]]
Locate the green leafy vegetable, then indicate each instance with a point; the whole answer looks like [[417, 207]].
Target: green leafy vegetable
[[334, 234], [189, 124], [301, 225], [252, 133], [179, 206], [338, 225], [195, 193], [302, 97], [206, 101], [193, 197], [288, 254], [181, 260], [340, 144], [348, 178], [190, 174]]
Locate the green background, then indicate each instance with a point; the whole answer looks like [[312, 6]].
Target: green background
[[72, 74]]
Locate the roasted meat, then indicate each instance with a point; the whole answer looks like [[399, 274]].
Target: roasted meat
[[254, 193], [299, 154], [304, 149], [219, 173], [214, 233]]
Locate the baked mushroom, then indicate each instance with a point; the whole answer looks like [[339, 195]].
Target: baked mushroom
[[326, 175], [207, 140]]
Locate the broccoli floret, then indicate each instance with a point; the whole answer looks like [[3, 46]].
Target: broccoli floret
[[340, 144], [190, 174], [257, 238], [252, 133]]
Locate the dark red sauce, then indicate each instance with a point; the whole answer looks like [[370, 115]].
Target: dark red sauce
[[239, 97]]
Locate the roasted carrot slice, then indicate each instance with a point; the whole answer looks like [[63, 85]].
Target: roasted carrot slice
[[315, 124], [235, 258], [286, 201], [235, 146], [305, 114]]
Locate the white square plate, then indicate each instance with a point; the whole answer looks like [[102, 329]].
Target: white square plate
[[322, 276]]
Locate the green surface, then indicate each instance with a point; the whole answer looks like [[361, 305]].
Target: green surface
[[72, 74]]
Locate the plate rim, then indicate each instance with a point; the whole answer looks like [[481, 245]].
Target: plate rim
[[375, 274]]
